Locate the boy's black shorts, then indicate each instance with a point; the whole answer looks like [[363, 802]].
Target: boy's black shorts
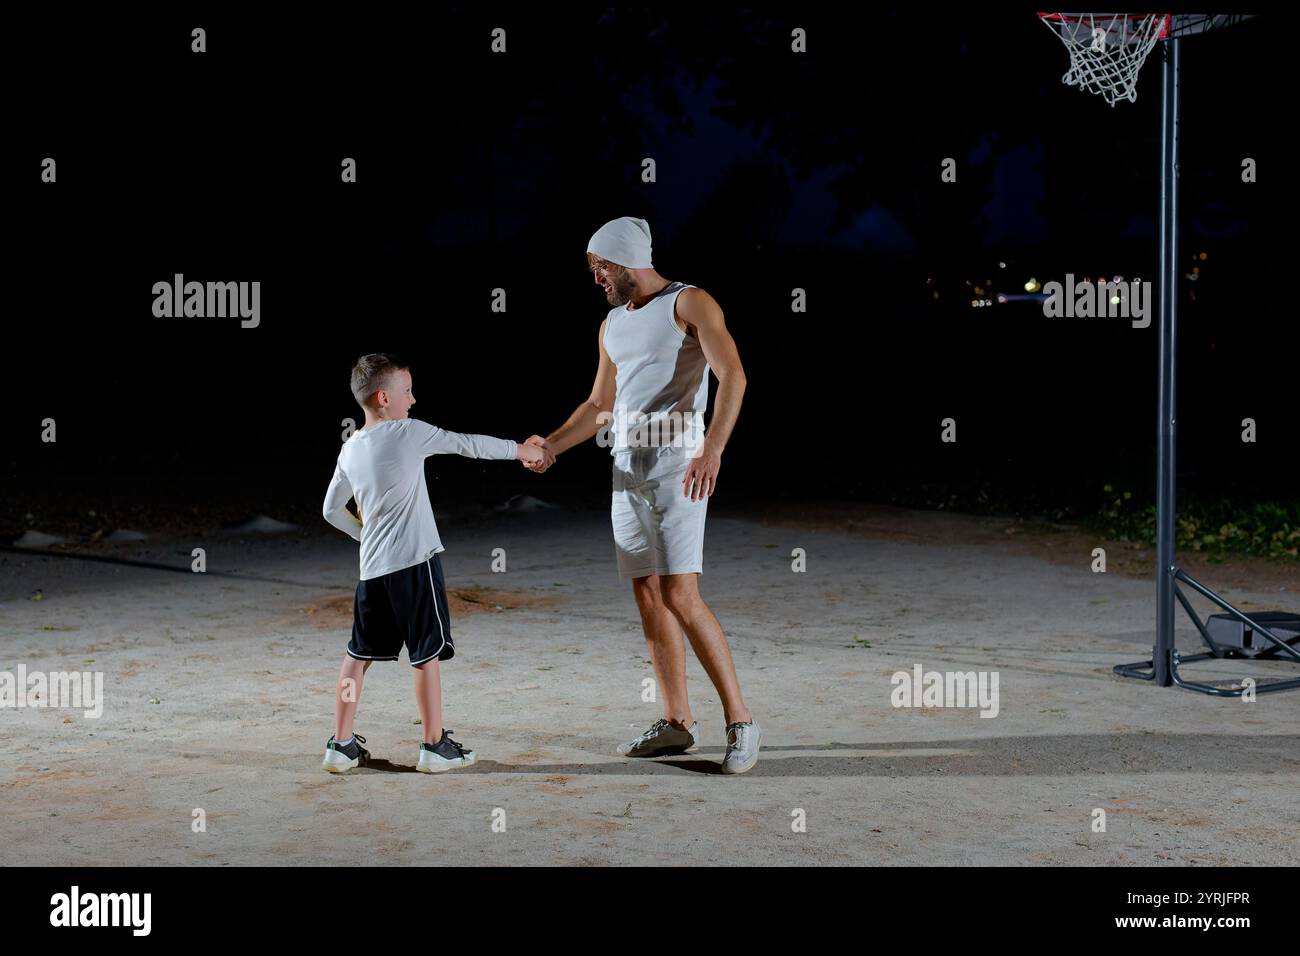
[[403, 607]]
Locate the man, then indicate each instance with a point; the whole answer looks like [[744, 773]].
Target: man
[[656, 347]]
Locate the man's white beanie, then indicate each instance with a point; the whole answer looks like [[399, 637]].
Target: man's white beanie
[[625, 241]]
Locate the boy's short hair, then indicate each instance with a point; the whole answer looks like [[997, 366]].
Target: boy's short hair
[[371, 373]]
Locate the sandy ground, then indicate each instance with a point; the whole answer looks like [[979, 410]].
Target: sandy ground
[[219, 691]]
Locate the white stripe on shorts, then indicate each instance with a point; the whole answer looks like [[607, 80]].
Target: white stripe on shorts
[[433, 594]]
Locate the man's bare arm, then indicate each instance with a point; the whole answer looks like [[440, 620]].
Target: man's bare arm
[[701, 311], [704, 316]]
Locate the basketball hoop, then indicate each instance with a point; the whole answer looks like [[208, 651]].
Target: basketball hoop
[[1106, 52], [1107, 49]]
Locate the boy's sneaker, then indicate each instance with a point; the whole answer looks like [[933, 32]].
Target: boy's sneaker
[[446, 754], [339, 759], [661, 740], [742, 747]]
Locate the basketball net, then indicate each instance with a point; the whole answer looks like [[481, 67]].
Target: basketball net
[[1107, 49]]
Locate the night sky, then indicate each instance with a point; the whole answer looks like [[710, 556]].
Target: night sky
[[774, 171]]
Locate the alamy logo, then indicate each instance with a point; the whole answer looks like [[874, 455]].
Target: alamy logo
[[75, 690], [1099, 300], [632, 428], [208, 300], [948, 689], [103, 909]]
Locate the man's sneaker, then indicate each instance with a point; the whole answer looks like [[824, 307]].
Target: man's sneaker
[[446, 754], [662, 739], [742, 747], [339, 759]]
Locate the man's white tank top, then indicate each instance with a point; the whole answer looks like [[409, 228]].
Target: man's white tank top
[[662, 380]]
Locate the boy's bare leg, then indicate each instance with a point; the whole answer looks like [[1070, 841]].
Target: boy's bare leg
[[681, 595], [428, 697], [663, 636], [347, 695]]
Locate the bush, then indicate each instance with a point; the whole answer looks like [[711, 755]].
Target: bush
[[1212, 525], [1216, 526]]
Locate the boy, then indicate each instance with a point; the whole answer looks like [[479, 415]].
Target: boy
[[401, 597]]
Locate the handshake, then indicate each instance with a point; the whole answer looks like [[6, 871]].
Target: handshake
[[536, 454]]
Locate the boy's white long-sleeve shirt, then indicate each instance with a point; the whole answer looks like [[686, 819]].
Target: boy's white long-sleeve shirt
[[382, 466]]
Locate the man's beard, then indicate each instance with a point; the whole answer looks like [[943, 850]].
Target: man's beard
[[621, 290]]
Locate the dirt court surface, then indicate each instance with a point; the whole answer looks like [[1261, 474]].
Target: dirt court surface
[[219, 693]]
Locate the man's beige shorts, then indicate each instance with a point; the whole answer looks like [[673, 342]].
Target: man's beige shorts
[[657, 529]]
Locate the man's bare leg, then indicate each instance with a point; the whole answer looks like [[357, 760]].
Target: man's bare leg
[[663, 636], [681, 595]]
